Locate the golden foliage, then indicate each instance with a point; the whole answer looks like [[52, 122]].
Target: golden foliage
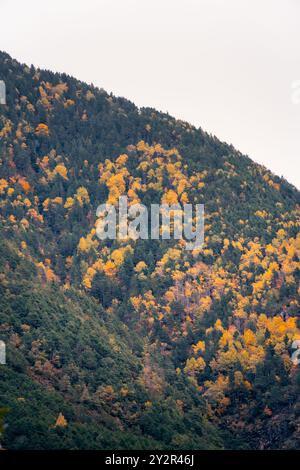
[[42, 129]]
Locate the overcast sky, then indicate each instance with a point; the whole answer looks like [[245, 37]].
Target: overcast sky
[[228, 66]]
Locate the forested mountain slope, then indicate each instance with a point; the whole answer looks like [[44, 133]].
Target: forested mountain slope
[[139, 344]]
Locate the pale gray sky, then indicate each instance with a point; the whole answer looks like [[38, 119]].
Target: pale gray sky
[[225, 65]]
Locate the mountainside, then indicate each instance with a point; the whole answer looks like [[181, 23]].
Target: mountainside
[[139, 344]]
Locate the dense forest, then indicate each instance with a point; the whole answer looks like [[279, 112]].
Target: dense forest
[[139, 344]]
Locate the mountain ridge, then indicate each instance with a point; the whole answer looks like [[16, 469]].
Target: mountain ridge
[[207, 335]]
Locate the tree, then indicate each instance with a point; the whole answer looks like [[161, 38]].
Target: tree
[[61, 421]]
